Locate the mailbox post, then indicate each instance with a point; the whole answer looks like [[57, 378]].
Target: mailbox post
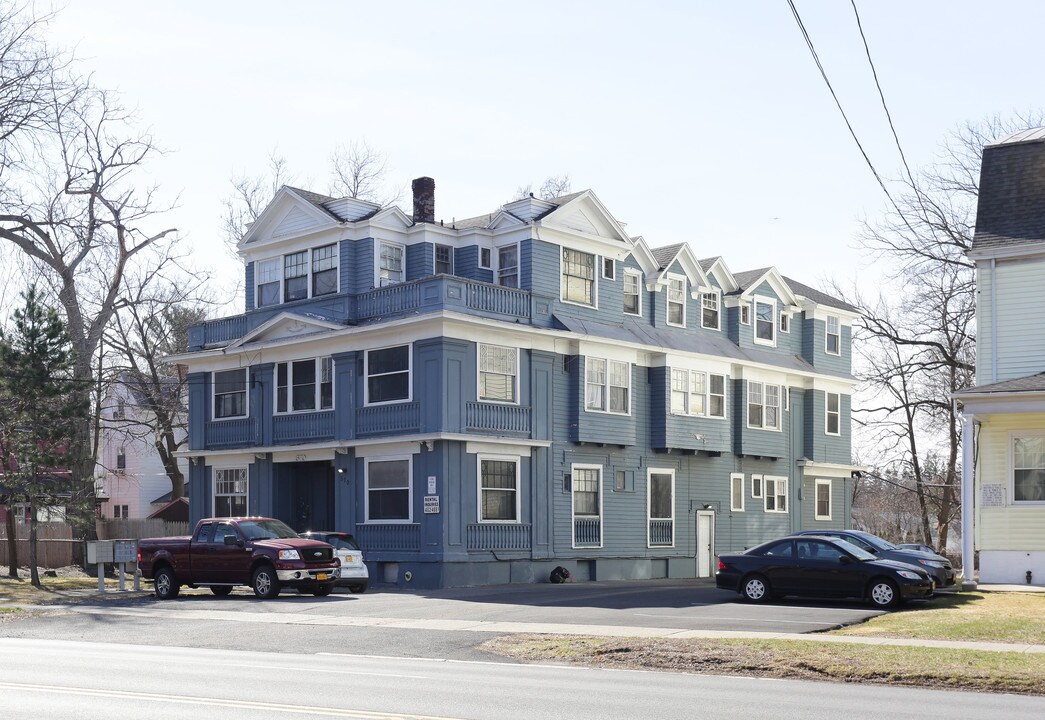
[[120, 552]]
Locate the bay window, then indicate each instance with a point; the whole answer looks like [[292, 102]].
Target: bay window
[[763, 405], [607, 386]]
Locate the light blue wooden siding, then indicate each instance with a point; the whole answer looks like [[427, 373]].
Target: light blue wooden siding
[[756, 441], [526, 264], [466, 264], [679, 432], [841, 494], [546, 280], [746, 333], [419, 261], [362, 267], [814, 347], [645, 296], [605, 427], [248, 287], [820, 446], [733, 326]]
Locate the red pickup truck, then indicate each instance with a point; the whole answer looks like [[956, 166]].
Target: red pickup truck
[[262, 553]]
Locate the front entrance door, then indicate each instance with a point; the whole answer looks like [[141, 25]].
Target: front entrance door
[[705, 543], [307, 490]]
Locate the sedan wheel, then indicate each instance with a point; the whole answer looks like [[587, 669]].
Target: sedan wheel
[[884, 593], [756, 589]]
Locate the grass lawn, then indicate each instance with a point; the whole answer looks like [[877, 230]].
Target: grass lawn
[[1011, 617], [59, 589], [916, 666]]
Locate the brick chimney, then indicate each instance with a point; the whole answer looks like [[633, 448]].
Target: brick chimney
[[424, 199]]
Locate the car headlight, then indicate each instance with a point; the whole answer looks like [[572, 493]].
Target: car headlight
[[289, 555], [909, 574], [931, 563]]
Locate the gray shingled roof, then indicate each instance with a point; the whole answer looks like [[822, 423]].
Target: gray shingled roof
[[316, 199], [1031, 383], [706, 263], [745, 278], [1011, 206], [664, 255], [818, 297]]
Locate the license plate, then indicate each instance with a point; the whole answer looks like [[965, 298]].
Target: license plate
[[321, 576]]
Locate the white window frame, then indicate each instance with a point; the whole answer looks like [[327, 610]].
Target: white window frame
[[745, 313], [214, 395], [409, 486], [736, 482], [717, 297], [822, 482], [594, 278], [668, 301], [837, 334], [479, 458], [214, 494], [785, 322], [779, 485], [828, 413], [278, 260], [608, 262], [410, 375], [606, 385], [761, 300], [573, 508], [318, 361], [650, 472], [479, 374], [435, 261], [518, 265], [488, 253], [638, 290], [757, 491], [1013, 436], [312, 269], [378, 281], [724, 395], [764, 395]]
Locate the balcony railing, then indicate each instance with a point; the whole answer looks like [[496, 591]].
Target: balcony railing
[[661, 532], [303, 427], [394, 418], [498, 299], [498, 418], [498, 536], [231, 433], [587, 532], [402, 537], [401, 297]]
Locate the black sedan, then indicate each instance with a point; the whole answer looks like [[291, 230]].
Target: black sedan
[[938, 567], [820, 567]]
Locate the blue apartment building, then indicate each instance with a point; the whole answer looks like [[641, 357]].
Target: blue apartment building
[[479, 401]]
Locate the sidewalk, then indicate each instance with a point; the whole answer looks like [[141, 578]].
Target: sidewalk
[[1011, 588]]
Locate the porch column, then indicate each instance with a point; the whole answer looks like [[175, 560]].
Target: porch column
[[968, 500]]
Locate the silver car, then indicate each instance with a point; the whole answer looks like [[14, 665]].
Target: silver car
[[354, 573]]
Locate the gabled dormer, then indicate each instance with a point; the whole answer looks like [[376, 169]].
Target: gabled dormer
[[761, 310], [680, 285]]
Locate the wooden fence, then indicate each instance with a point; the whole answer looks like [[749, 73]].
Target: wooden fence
[[138, 529], [54, 545]]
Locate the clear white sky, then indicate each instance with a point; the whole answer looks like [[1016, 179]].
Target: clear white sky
[[704, 122]]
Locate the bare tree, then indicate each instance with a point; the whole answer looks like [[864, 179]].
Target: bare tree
[[249, 196], [553, 186], [918, 337], [360, 171]]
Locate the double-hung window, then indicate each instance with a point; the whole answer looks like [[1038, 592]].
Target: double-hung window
[[677, 301], [745, 313], [709, 311], [295, 276], [390, 264], [823, 499], [387, 375], [508, 266], [765, 323], [230, 492], [304, 385], [834, 338], [270, 275], [498, 373], [776, 494], [388, 490], [230, 394], [736, 492], [607, 386], [578, 277], [763, 405], [785, 322], [498, 489], [609, 268], [444, 260], [1028, 468], [833, 416], [717, 396], [632, 296], [324, 270]]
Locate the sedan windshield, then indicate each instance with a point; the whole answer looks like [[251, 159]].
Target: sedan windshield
[[265, 530], [878, 542], [853, 550]]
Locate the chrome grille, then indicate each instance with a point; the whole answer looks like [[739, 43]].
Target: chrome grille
[[317, 554]]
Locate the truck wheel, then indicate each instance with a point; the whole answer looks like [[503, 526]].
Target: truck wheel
[[166, 584], [221, 590], [322, 590], [265, 583]]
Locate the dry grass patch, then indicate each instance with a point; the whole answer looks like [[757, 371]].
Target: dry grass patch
[[59, 590], [841, 662], [1010, 617]]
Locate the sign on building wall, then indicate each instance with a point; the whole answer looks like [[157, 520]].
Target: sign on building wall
[[431, 504], [992, 496]]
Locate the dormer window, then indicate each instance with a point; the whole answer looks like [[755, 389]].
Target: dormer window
[[390, 267], [677, 301], [508, 266], [745, 314], [709, 311], [269, 277], [765, 322], [578, 277], [300, 275], [444, 260], [295, 276], [785, 322], [324, 270]]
